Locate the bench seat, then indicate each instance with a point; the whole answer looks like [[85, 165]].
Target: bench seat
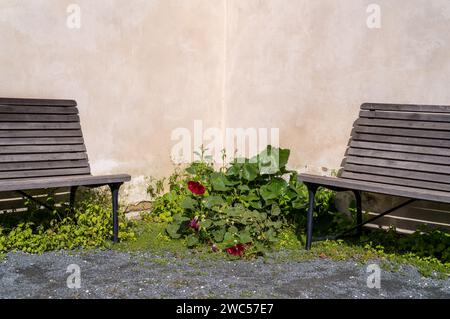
[[379, 188], [61, 181]]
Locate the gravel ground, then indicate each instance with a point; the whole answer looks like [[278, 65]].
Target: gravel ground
[[112, 274]]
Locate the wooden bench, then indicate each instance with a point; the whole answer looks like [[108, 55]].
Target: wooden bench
[[395, 149], [42, 147]]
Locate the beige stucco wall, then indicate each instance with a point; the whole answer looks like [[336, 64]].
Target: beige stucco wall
[[141, 68], [306, 66], [138, 69]]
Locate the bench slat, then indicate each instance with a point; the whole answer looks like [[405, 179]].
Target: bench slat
[[45, 173], [424, 176], [406, 107], [41, 149], [40, 141], [33, 109], [14, 166], [396, 181], [401, 148], [42, 157], [42, 102], [39, 118], [380, 188], [401, 140], [411, 166], [64, 181], [40, 133], [410, 116], [403, 132], [402, 123], [40, 126], [399, 156]]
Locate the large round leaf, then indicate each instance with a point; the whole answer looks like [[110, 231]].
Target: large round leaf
[[250, 171], [272, 160], [219, 182], [213, 201], [272, 190]]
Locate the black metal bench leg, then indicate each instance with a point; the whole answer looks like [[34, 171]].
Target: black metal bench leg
[[115, 206], [358, 212], [73, 192], [309, 224]]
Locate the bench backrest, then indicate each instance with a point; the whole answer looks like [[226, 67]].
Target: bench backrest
[[41, 138], [398, 144]]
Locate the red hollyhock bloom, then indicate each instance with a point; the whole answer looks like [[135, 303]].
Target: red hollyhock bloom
[[194, 224], [196, 188], [236, 250]]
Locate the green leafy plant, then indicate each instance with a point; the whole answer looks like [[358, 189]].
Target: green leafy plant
[[425, 242], [243, 206], [246, 207], [39, 230]]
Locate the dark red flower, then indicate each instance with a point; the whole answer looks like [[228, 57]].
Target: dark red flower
[[194, 224], [236, 250], [196, 188]]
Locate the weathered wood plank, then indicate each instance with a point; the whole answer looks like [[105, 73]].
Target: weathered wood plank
[[43, 102], [406, 107], [380, 188], [40, 126], [42, 157], [41, 149], [406, 124], [44, 173], [14, 166], [411, 166], [401, 140], [40, 133], [40, 141], [39, 118], [403, 132], [401, 148], [33, 109], [54, 182], [399, 156], [409, 116], [396, 181], [394, 172]]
